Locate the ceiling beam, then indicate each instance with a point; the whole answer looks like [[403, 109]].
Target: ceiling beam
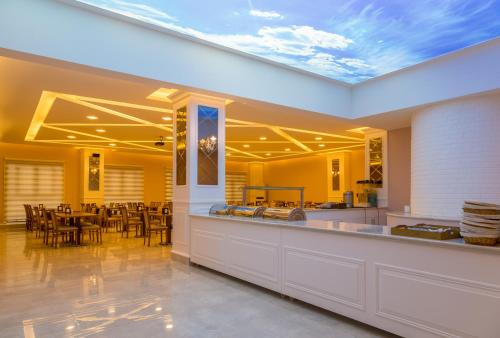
[[290, 138], [112, 140], [123, 104], [73, 99], [45, 103], [104, 125], [68, 142], [244, 152]]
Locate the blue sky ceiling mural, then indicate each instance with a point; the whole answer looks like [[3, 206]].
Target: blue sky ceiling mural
[[350, 41]]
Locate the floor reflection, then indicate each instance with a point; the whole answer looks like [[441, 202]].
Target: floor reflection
[[124, 289]]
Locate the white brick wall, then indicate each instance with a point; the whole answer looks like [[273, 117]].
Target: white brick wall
[[455, 155]]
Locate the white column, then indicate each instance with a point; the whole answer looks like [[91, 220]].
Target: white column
[[91, 176], [195, 194], [455, 156]]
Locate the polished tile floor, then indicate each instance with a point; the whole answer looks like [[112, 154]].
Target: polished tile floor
[[123, 289]]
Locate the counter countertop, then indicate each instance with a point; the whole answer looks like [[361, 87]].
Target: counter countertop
[[379, 231], [418, 216], [346, 209]]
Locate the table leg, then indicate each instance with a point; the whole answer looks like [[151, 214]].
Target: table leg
[[79, 232]]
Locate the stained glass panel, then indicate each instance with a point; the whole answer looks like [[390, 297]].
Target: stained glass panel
[[181, 154], [208, 152]]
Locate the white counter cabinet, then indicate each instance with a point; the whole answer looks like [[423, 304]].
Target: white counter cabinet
[[411, 287]]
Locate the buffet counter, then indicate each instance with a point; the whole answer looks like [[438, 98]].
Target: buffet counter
[[351, 215], [411, 287]]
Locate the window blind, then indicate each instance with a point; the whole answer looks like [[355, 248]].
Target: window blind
[[169, 188], [235, 181], [123, 184], [31, 182]]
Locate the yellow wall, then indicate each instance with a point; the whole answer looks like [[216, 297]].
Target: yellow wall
[[309, 172], [154, 171], [357, 170], [154, 168], [70, 157]]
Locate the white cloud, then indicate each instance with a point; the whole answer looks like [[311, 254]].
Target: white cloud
[[301, 40], [355, 63], [139, 9], [266, 14], [326, 63]]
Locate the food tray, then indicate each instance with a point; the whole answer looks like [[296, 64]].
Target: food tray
[[427, 231], [247, 211], [295, 214], [486, 241]]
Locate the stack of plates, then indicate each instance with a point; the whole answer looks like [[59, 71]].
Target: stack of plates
[[480, 223]]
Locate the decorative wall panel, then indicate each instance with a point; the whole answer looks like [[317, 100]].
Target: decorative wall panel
[[208, 152], [181, 153]]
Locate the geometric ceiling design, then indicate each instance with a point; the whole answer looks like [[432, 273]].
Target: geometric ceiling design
[[98, 123], [90, 122]]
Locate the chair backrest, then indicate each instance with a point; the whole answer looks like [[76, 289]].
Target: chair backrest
[[26, 212], [46, 218], [102, 216], [124, 213], [147, 224], [168, 220], [37, 217], [53, 216], [29, 209], [104, 213]]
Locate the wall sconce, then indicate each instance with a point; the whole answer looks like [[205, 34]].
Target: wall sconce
[[208, 145]]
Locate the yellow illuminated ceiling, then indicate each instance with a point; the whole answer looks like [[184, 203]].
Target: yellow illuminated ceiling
[[91, 122], [98, 123]]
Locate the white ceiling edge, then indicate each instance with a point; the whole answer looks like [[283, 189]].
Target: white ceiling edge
[[469, 71]]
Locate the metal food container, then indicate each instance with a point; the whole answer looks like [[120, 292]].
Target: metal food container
[[220, 209], [295, 214], [247, 211]]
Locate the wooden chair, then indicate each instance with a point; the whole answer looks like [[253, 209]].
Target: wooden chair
[[110, 221], [61, 229], [49, 221], [38, 222], [29, 218], [93, 227], [154, 227], [128, 223]]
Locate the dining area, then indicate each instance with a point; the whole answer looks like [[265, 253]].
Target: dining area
[[89, 223]]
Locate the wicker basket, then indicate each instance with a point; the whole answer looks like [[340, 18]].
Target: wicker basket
[[482, 211], [486, 241]]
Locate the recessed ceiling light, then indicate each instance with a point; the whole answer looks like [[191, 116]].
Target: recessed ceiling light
[[101, 130], [287, 149], [92, 117], [169, 137], [318, 138], [262, 138], [268, 154], [321, 145], [112, 144], [162, 94], [169, 326], [166, 118], [246, 146], [71, 137]]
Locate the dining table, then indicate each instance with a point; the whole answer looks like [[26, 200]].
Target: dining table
[[75, 219]]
